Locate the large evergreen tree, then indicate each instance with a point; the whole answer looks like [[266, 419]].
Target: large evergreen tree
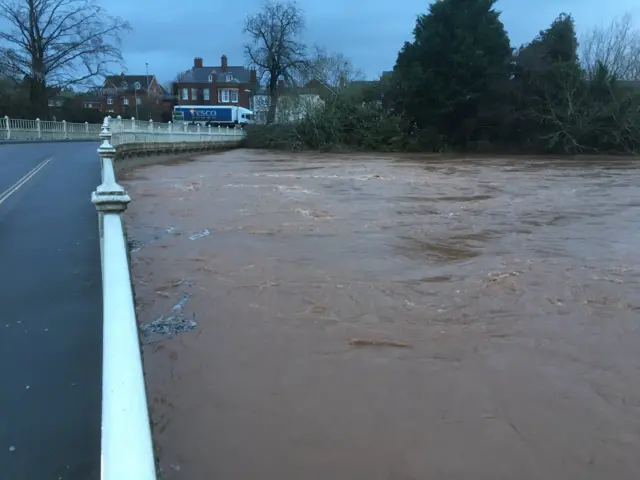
[[453, 73], [546, 84]]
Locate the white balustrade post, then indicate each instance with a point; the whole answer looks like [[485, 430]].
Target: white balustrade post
[[64, 129], [86, 127], [209, 130], [6, 120], [151, 125], [39, 129], [106, 150], [170, 131], [184, 125], [198, 131], [133, 124]]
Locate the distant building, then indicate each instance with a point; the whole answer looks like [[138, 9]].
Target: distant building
[[216, 85], [56, 101], [120, 94], [294, 103], [57, 97]]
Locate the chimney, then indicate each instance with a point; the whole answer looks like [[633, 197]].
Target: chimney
[[223, 62], [197, 62], [122, 75], [253, 76]]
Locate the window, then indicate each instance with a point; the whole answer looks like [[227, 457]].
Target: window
[[234, 96], [210, 78], [223, 95], [51, 103], [138, 101], [125, 85], [125, 101], [137, 85], [229, 78], [194, 94], [205, 94], [109, 101], [185, 94]]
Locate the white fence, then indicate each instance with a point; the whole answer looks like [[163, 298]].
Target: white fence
[[127, 447], [123, 130]]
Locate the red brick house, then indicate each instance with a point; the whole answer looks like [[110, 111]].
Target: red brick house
[[121, 94], [218, 85]]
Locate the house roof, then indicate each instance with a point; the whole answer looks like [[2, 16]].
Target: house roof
[[128, 82], [201, 75]]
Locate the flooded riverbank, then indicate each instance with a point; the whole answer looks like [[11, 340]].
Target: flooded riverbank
[[390, 318]]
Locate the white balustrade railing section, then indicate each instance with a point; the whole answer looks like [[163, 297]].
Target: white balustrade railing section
[[127, 447], [123, 131]]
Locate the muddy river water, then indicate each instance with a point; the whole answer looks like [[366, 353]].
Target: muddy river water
[[370, 318]]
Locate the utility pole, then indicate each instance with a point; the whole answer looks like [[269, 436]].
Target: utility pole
[[148, 95], [135, 87]]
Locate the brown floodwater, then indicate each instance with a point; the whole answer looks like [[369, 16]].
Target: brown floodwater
[[368, 318]]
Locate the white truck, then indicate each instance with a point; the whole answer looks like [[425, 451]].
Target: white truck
[[214, 115]]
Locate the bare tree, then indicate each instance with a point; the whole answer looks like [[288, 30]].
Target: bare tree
[[616, 47], [590, 118], [275, 49], [332, 69], [57, 44]]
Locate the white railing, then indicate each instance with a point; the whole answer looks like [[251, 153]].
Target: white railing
[[20, 129], [123, 130], [139, 131], [127, 447]]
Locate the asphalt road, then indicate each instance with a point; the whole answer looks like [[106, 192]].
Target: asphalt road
[[50, 312]]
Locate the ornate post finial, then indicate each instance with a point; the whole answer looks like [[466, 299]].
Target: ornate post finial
[[106, 149], [109, 197]]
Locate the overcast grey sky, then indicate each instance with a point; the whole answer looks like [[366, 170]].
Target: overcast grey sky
[[168, 33]]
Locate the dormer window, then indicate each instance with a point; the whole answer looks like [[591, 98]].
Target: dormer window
[[137, 85], [229, 78], [124, 85], [210, 78]]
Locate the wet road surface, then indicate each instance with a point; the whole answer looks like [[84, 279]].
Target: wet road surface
[[391, 318], [51, 313]]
